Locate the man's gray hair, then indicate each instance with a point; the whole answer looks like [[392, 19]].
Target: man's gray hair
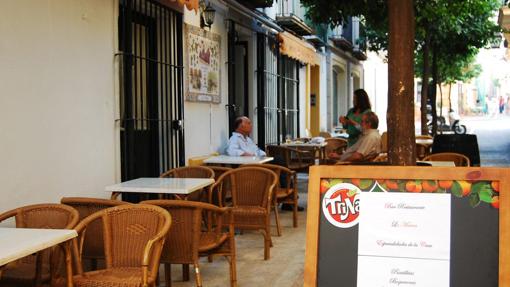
[[372, 119]]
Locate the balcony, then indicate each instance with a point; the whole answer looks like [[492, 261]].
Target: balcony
[[291, 16], [253, 4], [342, 36]]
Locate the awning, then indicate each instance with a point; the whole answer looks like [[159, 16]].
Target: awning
[[297, 49], [190, 4]]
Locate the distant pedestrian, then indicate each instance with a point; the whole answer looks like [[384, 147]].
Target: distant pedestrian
[[501, 104]]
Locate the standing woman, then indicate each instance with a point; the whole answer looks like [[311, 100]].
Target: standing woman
[[352, 121]]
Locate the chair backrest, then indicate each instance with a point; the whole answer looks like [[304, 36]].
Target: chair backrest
[[459, 159], [422, 151], [424, 137], [182, 241], [335, 145], [384, 142], [189, 172], [250, 186], [325, 135], [48, 215], [129, 230], [93, 242], [219, 170]]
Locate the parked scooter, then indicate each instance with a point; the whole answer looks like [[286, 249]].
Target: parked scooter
[[454, 126]]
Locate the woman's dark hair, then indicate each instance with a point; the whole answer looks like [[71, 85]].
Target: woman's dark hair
[[362, 100]]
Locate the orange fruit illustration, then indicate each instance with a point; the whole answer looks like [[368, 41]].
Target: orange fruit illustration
[[356, 181], [429, 185], [391, 184], [411, 186], [445, 184], [495, 185], [324, 185], [466, 187], [495, 201]]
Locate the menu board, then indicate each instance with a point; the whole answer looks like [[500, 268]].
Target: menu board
[[452, 233], [404, 238]]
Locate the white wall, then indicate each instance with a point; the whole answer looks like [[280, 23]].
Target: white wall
[[376, 85], [206, 125], [57, 100]]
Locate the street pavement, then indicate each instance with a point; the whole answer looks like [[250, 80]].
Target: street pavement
[[493, 134]]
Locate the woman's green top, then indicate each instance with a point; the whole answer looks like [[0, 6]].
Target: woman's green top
[[354, 131]]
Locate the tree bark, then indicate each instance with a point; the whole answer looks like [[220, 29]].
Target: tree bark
[[425, 81], [434, 92], [400, 116]]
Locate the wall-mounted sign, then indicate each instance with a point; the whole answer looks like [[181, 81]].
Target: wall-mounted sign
[[202, 51], [407, 226], [313, 100]]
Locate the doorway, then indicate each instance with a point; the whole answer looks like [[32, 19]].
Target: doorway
[[151, 88]]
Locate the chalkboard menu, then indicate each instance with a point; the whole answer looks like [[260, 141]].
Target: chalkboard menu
[[423, 226]]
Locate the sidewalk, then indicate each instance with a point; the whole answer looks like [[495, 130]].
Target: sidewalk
[[283, 269]]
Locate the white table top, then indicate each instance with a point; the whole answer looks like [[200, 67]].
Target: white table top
[[440, 163], [225, 159], [308, 144], [161, 185], [16, 243]]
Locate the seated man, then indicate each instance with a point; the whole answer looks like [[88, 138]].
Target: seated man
[[240, 143], [368, 145]]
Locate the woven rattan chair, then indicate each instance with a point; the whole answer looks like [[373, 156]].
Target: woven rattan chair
[[44, 266], [189, 238], [93, 243], [226, 196], [133, 240], [252, 192], [335, 145], [190, 172], [422, 151], [291, 158], [457, 158], [286, 192]]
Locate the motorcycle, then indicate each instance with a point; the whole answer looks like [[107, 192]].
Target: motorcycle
[[454, 126]]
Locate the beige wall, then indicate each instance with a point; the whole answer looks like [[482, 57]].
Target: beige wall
[[57, 99], [206, 125]]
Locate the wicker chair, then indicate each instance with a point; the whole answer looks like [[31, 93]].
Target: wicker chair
[[190, 172], [93, 243], [188, 239], [287, 194], [227, 195], [44, 266], [291, 158], [422, 151], [133, 240], [457, 158], [325, 135], [252, 193], [335, 145]]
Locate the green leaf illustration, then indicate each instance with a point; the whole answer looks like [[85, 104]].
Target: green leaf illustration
[[335, 181], [456, 189], [365, 184], [474, 199], [486, 193]]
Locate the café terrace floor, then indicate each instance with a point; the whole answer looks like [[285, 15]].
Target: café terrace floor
[[284, 268]]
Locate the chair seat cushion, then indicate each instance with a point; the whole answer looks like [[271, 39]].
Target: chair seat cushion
[[211, 240], [113, 277]]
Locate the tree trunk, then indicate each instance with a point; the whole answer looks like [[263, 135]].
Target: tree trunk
[[425, 81], [400, 116], [434, 91], [449, 97]]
